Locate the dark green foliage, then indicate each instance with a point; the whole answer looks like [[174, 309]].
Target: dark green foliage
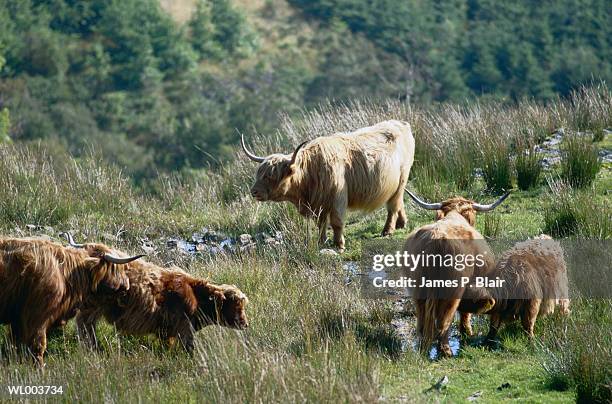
[[510, 49], [580, 163]]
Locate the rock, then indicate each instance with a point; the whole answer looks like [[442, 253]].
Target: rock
[[328, 251], [439, 385], [474, 396], [245, 239]]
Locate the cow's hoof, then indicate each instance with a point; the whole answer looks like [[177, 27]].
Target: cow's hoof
[[400, 223], [445, 351], [387, 232]]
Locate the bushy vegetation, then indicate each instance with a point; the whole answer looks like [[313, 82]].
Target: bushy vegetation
[[528, 167], [576, 354], [152, 96], [580, 163]]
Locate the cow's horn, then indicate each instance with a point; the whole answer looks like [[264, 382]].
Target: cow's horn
[[119, 260], [71, 240], [297, 149], [423, 204], [250, 155], [485, 208]]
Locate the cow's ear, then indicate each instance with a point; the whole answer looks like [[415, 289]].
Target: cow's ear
[[289, 170]]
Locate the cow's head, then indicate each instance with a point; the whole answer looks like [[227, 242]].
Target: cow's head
[[272, 178], [223, 305], [465, 207], [107, 269]]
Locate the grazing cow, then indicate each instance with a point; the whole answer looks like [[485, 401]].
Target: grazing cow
[[535, 281], [166, 302], [43, 283], [453, 234], [360, 170]]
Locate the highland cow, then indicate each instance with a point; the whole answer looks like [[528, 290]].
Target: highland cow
[[323, 178], [536, 281], [166, 302], [43, 283], [452, 234]]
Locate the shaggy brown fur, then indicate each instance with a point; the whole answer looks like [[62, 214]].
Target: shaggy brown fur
[[536, 281], [436, 307], [361, 170], [166, 302], [43, 283], [452, 234]]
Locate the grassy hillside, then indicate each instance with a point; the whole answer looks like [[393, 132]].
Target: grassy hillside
[[313, 336], [158, 87]]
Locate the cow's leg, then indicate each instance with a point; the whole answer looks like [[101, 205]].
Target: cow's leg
[[465, 325], [323, 222], [86, 328], [529, 316], [336, 219], [446, 312], [420, 313], [396, 214], [38, 344], [186, 336], [494, 324]]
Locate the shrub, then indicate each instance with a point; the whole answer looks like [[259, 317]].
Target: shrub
[[528, 169], [580, 161]]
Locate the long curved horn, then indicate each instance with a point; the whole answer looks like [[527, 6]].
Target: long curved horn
[[119, 260], [250, 155], [485, 208], [297, 149], [71, 240], [425, 205]]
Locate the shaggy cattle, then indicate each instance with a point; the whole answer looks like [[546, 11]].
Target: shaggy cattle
[[166, 302], [439, 282], [360, 170], [43, 283], [535, 281]]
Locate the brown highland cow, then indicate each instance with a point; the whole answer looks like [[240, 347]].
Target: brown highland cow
[[535, 281], [43, 283], [166, 302], [452, 234]]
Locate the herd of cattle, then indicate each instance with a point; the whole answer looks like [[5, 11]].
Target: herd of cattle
[[45, 283]]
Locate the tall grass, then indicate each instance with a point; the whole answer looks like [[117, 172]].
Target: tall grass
[[570, 212], [576, 353], [528, 165], [497, 166], [580, 163]]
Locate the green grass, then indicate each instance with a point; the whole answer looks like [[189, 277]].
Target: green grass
[[312, 337]]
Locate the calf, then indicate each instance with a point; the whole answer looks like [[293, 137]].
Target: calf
[[535, 281]]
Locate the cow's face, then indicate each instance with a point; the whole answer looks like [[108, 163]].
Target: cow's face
[[273, 178], [460, 205], [233, 311]]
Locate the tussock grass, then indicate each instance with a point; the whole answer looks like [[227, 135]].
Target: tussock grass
[[528, 166], [570, 212], [575, 352], [580, 163]]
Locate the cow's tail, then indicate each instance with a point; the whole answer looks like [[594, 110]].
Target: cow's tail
[[429, 324]]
